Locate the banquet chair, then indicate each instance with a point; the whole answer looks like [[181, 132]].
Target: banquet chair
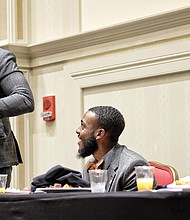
[[164, 174]]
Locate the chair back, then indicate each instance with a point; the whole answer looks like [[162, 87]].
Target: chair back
[[164, 174]]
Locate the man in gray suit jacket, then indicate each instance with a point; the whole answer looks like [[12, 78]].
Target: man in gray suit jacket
[[15, 99], [98, 135]]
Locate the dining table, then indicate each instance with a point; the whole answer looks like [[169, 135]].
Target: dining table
[[85, 205]]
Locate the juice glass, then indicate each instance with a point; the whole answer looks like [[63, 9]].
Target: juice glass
[[144, 177]]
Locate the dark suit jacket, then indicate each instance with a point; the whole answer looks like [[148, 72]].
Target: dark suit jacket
[[15, 99], [120, 163]]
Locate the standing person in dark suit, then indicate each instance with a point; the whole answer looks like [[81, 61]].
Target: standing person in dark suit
[[15, 99], [98, 135]]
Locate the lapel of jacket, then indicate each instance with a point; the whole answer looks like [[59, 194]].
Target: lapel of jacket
[[113, 166]]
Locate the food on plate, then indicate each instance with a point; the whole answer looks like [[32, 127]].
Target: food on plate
[[58, 185], [67, 186], [26, 188], [182, 182]]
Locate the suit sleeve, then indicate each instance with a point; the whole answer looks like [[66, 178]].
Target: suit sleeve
[[16, 95]]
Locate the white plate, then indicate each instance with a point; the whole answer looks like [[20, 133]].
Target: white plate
[[63, 190], [14, 191], [174, 186]]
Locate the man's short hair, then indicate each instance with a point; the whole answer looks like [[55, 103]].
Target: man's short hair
[[110, 119]]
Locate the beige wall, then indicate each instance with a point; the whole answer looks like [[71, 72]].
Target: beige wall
[[97, 13], [140, 66], [53, 19], [53, 141]]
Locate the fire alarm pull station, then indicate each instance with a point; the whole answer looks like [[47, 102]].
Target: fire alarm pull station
[[48, 113]]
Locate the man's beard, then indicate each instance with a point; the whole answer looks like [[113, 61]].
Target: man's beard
[[89, 147]]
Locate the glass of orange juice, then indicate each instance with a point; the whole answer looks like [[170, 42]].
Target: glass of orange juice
[[144, 177], [3, 182]]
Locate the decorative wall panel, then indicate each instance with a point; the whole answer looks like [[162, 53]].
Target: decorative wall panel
[[3, 20]]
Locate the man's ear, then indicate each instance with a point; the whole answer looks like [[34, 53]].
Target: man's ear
[[100, 133]]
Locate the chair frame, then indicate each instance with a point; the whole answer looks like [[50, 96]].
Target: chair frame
[[171, 168]]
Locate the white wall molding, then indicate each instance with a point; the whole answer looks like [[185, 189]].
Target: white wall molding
[[138, 64], [162, 27], [122, 31]]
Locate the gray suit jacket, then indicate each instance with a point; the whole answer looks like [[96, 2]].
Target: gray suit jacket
[[120, 163], [15, 99]]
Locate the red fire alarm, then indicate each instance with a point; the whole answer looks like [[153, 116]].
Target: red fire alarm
[[48, 113]]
